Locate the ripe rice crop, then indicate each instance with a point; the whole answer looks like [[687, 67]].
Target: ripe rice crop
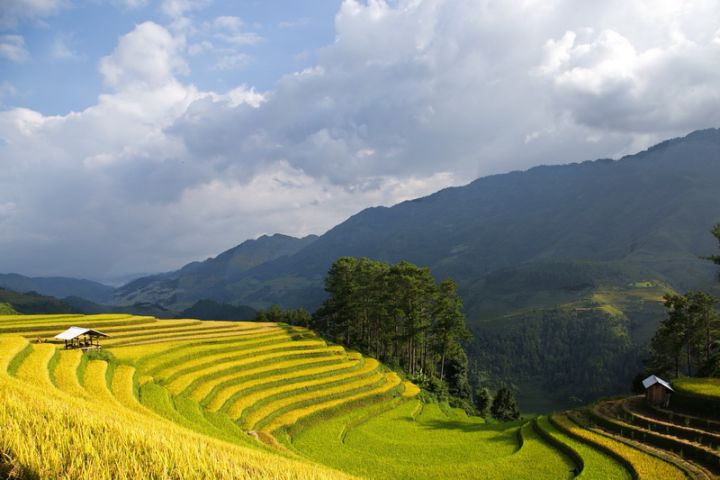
[[186, 381], [9, 348], [263, 396], [326, 404], [47, 436], [597, 465], [65, 374], [203, 389], [195, 337], [292, 416], [181, 327], [179, 368], [95, 382], [215, 400], [123, 388], [34, 368], [148, 359], [297, 400], [410, 389], [646, 466]]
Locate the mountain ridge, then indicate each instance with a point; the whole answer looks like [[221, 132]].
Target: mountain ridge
[[438, 231], [59, 287]]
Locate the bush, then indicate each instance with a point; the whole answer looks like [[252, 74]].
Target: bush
[[504, 406]]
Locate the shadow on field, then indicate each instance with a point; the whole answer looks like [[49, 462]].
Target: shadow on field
[[507, 428]]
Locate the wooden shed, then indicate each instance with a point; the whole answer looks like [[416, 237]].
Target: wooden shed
[[657, 391], [79, 337]]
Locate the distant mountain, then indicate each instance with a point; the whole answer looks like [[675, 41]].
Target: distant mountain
[[211, 310], [646, 215], [215, 278], [82, 305], [57, 287], [546, 260], [31, 302]]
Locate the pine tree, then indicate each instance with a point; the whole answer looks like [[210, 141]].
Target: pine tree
[[504, 406], [482, 401]]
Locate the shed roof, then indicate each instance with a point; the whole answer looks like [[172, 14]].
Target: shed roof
[[652, 380], [74, 332]]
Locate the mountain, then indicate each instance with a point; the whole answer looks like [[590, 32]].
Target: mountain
[[646, 215], [217, 278], [57, 287], [210, 310], [31, 302], [562, 268]]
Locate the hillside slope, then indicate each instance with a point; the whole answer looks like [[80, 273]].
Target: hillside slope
[[32, 302], [59, 287], [214, 279], [644, 216]]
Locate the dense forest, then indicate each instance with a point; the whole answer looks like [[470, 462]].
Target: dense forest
[[578, 354], [687, 340], [400, 315]]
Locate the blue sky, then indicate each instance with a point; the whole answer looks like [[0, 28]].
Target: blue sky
[[139, 135], [60, 72]]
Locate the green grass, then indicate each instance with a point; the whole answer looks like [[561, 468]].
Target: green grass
[[422, 442], [644, 465], [597, 465], [700, 387], [7, 309]]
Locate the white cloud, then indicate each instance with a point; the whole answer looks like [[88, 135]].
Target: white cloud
[[233, 62], [606, 83], [410, 97], [300, 22], [200, 47], [130, 4], [147, 56], [7, 89], [177, 8], [13, 11], [13, 48], [239, 38], [232, 23], [62, 49]]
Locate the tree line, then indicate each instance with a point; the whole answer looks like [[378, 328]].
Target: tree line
[[399, 315], [687, 340]]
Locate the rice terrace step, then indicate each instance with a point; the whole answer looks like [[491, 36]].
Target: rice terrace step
[[264, 400]]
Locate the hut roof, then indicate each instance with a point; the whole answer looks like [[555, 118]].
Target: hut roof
[[652, 380], [74, 332]]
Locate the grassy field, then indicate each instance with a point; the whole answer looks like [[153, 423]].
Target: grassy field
[[172, 399], [702, 387], [414, 440]]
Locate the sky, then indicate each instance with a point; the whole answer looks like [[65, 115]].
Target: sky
[[139, 135]]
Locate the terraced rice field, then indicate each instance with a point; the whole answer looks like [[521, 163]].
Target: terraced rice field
[[204, 399]]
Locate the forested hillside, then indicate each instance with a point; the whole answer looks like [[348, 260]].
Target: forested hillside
[[575, 243]]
